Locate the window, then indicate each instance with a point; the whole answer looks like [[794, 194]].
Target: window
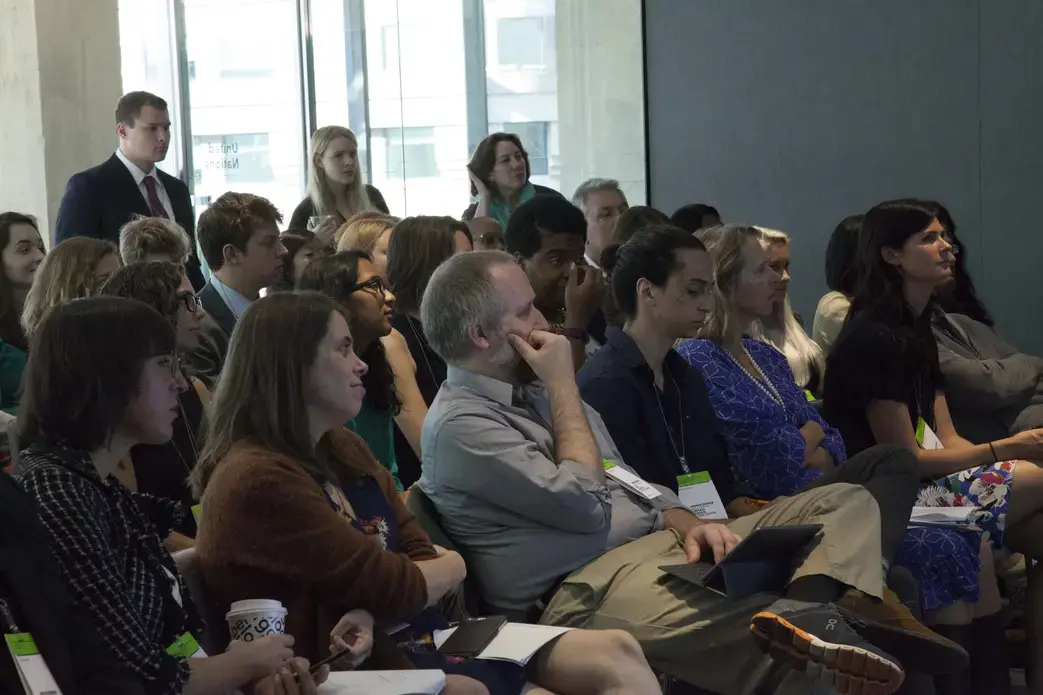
[[239, 158], [244, 57], [388, 47], [534, 140], [521, 41], [409, 152]]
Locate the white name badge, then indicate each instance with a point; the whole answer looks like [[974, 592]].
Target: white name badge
[[926, 437], [32, 669], [631, 482], [698, 493]]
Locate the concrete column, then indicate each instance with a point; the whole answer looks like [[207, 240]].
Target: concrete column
[[59, 83], [601, 94]]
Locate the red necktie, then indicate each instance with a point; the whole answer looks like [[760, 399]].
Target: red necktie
[[153, 199]]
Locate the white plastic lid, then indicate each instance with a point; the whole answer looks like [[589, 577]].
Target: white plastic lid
[[257, 605]]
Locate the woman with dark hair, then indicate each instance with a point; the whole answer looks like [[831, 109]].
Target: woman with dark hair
[[840, 279], [884, 385], [350, 279], [418, 246], [302, 247], [102, 377], [296, 508], [695, 216], [162, 470], [958, 296], [499, 172], [22, 252]]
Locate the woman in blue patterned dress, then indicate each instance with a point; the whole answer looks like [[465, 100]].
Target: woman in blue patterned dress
[[778, 442]]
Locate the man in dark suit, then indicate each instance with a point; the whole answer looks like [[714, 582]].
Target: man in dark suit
[[99, 201], [239, 237]]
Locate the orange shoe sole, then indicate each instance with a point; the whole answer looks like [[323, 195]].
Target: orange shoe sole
[[849, 670]]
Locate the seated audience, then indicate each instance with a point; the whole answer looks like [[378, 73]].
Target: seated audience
[[154, 239], [351, 280], [23, 252], [779, 444], [661, 410], [782, 328], [335, 187], [239, 237], [487, 234], [98, 202], [34, 598], [516, 465], [840, 278], [547, 236], [102, 378], [162, 470], [296, 508], [302, 247], [695, 216], [75, 268], [633, 220], [419, 245], [368, 231], [499, 172], [959, 295], [602, 202]]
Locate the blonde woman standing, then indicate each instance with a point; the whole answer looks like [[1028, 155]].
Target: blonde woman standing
[[335, 187]]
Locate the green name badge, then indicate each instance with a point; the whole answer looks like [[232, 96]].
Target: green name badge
[[184, 647], [21, 644], [196, 511], [608, 464], [693, 478]]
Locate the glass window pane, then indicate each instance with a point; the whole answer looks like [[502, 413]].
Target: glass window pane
[[246, 99], [522, 80], [148, 64]]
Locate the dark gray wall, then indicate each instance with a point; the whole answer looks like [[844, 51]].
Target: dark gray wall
[[795, 113]]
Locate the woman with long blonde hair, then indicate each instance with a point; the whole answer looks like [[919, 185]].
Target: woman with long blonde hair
[[75, 268], [783, 329], [335, 187]]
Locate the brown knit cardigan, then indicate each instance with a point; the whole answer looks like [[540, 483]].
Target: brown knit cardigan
[[267, 530]]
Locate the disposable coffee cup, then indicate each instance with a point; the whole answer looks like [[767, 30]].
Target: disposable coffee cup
[[254, 618]]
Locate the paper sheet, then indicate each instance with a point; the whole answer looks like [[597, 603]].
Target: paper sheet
[[516, 642], [950, 515], [383, 683]]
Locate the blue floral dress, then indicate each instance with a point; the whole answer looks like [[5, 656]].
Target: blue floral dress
[[766, 451]]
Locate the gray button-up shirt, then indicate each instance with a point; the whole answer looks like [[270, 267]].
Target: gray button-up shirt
[[522, 521]]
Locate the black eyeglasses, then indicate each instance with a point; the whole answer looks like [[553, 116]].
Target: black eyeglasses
[[190, 301], [375, 283]]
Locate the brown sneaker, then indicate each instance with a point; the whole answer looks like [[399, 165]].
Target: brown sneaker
[[889, 625]]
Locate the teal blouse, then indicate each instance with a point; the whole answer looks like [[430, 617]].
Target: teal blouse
[[377, 429], [501, 211], [12, 364]]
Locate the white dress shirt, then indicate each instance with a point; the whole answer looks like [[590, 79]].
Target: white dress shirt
[[139, 179]]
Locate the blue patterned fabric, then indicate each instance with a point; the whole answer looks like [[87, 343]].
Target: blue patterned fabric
[[766, 450], [765, 445]]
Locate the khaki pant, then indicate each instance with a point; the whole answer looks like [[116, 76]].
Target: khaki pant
[[695, 634]]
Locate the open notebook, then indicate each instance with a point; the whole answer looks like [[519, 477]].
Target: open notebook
[[947, 517], [383, 683], [516, 642]]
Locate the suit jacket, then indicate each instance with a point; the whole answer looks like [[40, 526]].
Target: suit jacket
[[31, 583], [209, 356], [100, 200], [992, 388]]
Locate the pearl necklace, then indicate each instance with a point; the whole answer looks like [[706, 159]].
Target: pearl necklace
[[764, 383]]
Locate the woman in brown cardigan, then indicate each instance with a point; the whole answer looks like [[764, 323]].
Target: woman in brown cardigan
[[295, 508]]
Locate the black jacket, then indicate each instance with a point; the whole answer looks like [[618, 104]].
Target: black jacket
[[32, 586], [306, 208], [100, 200]]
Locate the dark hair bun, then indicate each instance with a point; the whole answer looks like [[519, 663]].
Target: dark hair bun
[[609, 257]]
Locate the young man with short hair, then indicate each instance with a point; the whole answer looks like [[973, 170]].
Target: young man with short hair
[[99, 201], [239, 237], [547, 236]]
